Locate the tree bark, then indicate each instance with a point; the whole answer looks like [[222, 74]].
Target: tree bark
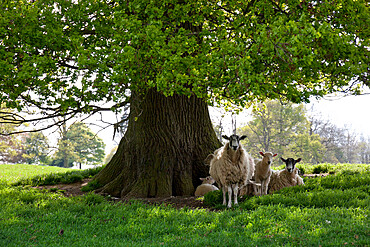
[[163, 150]]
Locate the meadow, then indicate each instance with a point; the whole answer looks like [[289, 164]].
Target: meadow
[[326, 211]]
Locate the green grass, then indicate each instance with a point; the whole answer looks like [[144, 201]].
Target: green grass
[[12, 173], [330, 211], [42, 175], [327, 168]]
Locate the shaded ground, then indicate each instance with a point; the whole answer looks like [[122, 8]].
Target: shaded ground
[[176, 201]]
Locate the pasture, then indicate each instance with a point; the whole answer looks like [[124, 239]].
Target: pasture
[[327, 211]]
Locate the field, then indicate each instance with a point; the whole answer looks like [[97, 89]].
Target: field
[[327, 211]]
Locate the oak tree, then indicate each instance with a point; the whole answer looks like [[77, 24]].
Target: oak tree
[[168, 60]]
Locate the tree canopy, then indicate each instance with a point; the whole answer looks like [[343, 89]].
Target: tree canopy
[[67, 57]]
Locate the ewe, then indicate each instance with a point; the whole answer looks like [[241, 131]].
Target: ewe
[[206, 186], [232, 167], [263, 173], [287, 177]]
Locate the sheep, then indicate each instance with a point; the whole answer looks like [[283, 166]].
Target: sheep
[[287, 177], [206, 186], [262, 173], [231, 167]]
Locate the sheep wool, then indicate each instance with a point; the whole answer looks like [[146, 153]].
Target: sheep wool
[[231, 167], [283, 178], [263, 173], [206, 186]]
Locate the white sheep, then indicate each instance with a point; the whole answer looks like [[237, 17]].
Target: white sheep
[[232, 167], [262, 173], [287, 177], [206, 186]]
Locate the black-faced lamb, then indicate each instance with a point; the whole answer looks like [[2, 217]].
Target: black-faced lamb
[[232, 167], [287, 177], [206, 186], [262, 173]]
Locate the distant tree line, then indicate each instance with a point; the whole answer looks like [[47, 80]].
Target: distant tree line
[[76, 145], [288, 129]]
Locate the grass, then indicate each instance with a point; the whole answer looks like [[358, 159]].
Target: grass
[[32, 175], [328, 211], [13, 173]]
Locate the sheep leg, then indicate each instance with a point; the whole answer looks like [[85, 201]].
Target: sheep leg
[[257, 188], [224, 188], [235, 191], [266, 185], [230, 191], [262, 188]]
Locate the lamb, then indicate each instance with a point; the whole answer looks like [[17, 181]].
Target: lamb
[[287, 177], [232, 167], [263, 173], [206, 186]]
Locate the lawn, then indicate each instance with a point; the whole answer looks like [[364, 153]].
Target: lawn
[[327, 211]]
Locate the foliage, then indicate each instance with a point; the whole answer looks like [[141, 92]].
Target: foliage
[[213, 198], [36, 148], [308, 147], [326, 211], [283, 129], [91, 186], [230, 51], [78, 144], [320, 169]]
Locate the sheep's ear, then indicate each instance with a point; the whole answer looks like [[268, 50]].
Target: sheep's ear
[[242, 137], [284, 160], [298, 160], [207, 161], [274, 155], [202, 179], [261, 153], [226, 137]]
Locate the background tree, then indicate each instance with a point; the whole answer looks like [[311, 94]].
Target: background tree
[[10, 145], [168, 60], [349, 145], [275, 126], [364, 150], [36, 148], [287, 129], [78, 144], [87, 145], [308, 147], [331, 137]]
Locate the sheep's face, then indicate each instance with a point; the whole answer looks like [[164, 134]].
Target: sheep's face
[[208, 180], [290, 163], [234, 141], [267, 157]]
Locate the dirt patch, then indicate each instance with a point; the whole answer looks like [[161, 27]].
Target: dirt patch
[[178, 202], [68, 190]]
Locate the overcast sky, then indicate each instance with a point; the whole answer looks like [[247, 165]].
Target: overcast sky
[[350, 111]]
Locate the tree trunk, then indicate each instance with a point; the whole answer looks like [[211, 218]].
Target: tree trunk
[[163, 150]]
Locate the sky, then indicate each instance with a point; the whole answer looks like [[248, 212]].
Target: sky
[[350, 111]]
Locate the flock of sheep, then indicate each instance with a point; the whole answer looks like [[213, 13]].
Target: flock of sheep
[[237, 173]]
